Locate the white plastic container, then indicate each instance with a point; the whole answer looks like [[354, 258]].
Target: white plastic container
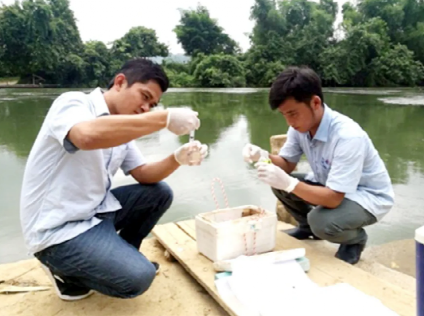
[[228, 233]]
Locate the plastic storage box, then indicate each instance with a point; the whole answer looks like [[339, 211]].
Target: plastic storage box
[[419, 241], [228, 233]]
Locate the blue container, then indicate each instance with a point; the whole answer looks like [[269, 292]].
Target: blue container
[[419, 241]]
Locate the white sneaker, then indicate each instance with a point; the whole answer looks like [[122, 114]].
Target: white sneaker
[[66, 291]]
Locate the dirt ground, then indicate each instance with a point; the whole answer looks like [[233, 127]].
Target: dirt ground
[[174, 292]]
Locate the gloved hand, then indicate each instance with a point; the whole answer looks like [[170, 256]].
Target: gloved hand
[[276, 177], [181, 121], [191, 154], [252, 153]]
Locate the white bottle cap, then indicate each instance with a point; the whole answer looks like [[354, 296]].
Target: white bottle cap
[[419, 235]]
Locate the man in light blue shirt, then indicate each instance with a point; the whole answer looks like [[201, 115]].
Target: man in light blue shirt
[[349, 186], [70, 216]]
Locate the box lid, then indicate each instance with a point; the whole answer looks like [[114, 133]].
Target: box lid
[[419, 235]]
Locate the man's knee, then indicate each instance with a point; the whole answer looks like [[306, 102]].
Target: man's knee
[[324, 226], [281, 195], [164, 193], [137, 281]]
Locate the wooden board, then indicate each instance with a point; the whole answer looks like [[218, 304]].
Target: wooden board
[[184, 249], [179, 239]]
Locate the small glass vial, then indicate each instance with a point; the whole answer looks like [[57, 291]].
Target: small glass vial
[[264, 157]]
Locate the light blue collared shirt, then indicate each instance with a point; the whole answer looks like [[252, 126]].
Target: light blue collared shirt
[[63, 187], [343, 158]]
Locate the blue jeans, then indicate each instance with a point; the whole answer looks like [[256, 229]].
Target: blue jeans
[[109, 262]]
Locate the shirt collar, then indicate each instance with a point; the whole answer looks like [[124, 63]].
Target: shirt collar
[[324, 126], [100, 106]]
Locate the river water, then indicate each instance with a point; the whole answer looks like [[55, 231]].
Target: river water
[[394, 119]]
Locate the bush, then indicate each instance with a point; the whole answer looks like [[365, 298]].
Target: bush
[[220, 71]]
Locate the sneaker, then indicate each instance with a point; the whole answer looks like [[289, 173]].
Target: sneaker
[[66, 291], [157, 267]]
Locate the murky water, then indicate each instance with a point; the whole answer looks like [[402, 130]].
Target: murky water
[[230, 118]]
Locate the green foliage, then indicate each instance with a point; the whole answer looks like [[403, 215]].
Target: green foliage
[[396, 66], [290, 33], [138, 42], [97, 63], [381, 44], [220, 71], [179, 74], [199, 33], [261, 70], [40, 37]]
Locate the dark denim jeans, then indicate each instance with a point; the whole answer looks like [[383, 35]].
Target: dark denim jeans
[[109, 262]]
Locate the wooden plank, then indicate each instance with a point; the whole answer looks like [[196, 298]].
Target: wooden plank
[[394, 297], [184, 249], [327, 270], [188, 227]]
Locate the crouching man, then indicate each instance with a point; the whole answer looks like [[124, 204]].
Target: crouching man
[[86, 235], [349, 187]]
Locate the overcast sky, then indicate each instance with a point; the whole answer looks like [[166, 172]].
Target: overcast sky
[[108, 20]]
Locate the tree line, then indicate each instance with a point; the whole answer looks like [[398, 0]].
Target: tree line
[[378, 43]]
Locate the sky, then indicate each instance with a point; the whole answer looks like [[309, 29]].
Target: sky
[[108, 20]]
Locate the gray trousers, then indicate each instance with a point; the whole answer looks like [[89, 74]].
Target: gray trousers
[[342, 225]]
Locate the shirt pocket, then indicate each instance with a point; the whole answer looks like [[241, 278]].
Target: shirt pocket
[[118, 156]]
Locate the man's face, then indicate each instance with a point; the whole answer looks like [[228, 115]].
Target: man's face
[[137, 99], [301, 116]]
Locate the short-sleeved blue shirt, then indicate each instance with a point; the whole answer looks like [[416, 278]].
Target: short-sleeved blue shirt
[[344, 159]]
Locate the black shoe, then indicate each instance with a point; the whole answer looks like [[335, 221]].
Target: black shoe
[[301, 233], [66, 291], [350, 253], [157, 266]]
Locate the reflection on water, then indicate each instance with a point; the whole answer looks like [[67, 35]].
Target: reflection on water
[[229, 119], [413, 100]]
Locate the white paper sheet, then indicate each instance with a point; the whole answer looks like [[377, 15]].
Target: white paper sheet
[[263, 289]]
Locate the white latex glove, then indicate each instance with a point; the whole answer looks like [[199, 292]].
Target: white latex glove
[[276, 177], [182, 121], [191, 154], [252, 153]]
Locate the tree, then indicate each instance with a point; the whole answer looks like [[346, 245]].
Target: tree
[[138, 42], [199, 33], [287, 33], [396, 66], [96, 61], [220, 71], [347, 63], [39, 37]]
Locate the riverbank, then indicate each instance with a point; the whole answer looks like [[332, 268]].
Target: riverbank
[[28, 86], [174, 291]]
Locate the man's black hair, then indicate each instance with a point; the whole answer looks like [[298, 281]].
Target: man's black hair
[[142, 70], [300, 83]]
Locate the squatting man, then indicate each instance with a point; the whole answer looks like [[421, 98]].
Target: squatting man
[[349, 186], [70, 215]]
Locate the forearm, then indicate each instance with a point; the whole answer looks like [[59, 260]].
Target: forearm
[[318, 195], [114, 130], [155, 171], [279, 161]]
